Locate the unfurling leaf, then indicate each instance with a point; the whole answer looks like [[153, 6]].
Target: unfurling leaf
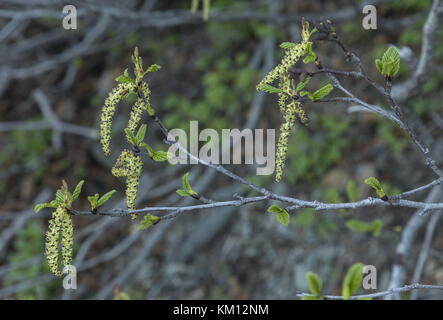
[[322, 92], [186, 185], [275, 209], [282, 215], [124, 78], [131, 136], [315, 284], [140, 136], [308, 94], [182, 193], [160, 156], [93, 201], [352, 280], [152, 68], [105, 197], [389, 64], [287, 45], [284, 218], [269, 89], [77, 190], [376, 185], [40, 206], [147, 221], [302, 84]]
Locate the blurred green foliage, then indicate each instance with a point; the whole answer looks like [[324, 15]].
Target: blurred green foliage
[[312, 152], [29, 244], [227, 83], [408, 5]]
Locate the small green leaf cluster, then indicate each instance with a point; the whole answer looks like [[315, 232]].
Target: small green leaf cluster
[[350, 285], [389, 64], [318, 94], [187, 190], [281, 214], [137, 141], [147, 221], [96, 201]]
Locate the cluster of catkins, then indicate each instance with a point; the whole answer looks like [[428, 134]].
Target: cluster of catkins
[[289, 107], [128, 164]]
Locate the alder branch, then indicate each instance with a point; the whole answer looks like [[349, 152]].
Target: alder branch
[[406, 288]]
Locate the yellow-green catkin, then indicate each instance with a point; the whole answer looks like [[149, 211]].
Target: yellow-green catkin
[[130, 166], [289, 107], [138, 108], [108, 111], [67, 239], [60, 231], [293, 109]]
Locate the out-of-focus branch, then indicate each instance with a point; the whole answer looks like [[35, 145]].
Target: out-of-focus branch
[[405, 90]]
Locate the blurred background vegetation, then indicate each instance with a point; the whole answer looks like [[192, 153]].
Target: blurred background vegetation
[[209, 72]]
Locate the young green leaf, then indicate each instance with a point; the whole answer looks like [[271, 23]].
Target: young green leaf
[[275, 209], [40, 206], [376, 185], [379, 65], [322, 92], [315, 284], [352, 280], [186, 185], [60, 196], [284, 218], [152, 68], [182, 193], [389, 64], [149, 109], [310, 55], [147, 221], [307, 93], [131, 136], [287, 45], [282, 215], [302, 84], [269, 89], [124, 78], [148, 149], [105, 197], [160, 156], [140, 136], [93, 201], [77, 190]]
